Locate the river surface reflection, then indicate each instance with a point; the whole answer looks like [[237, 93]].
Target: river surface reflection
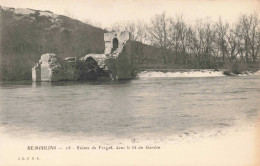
[[155, 106]]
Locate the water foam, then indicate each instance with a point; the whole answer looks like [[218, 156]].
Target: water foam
[[190, 73]]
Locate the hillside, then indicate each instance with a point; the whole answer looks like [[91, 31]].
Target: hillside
[[26, 34]]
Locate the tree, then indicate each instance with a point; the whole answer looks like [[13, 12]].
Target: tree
[[233, 45], [159, 35], [249, 34], [202, 42], [177, 33], [136, 29], [221, 40]]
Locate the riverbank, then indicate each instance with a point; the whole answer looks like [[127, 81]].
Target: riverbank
[[146, 73], [229, 69]]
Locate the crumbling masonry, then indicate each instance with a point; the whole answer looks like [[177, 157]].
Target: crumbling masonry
[[115, 63]]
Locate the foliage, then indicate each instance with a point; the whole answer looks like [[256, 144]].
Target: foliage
[[164, 42], [24, 38], [203, 45]]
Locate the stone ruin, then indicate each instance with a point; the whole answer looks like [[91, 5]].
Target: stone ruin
[[113, 64], [115, 42]]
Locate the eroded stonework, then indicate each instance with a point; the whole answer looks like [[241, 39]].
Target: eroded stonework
[[50, 68], [99, 58], [43, 70], [36, 72], [48, 64], [115, 38]]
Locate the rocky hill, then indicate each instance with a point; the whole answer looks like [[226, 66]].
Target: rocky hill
[[26, 34]]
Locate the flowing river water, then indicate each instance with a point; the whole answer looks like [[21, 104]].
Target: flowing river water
[[150, 105]]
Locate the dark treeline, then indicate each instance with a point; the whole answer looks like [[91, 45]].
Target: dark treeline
[[165, 42], [24, 38], [203, 45]]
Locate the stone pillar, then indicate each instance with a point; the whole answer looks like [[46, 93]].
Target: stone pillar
[[36, 73]]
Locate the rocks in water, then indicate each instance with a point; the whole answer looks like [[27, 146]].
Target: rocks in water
[[228, 73]]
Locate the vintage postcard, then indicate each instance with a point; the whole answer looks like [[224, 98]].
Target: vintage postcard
[[129, 82]]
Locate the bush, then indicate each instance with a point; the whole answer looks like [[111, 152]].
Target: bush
[[236, 68]]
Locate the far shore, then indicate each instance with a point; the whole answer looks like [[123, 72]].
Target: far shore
[[222, 71], [180, 70]]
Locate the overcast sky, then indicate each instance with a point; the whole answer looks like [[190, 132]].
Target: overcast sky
[[108, 12]]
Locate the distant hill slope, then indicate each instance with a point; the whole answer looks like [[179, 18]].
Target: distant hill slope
[[26, 34]]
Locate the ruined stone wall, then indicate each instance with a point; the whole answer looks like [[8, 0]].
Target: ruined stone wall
[[50, 68], [123, 66], [99, 58], [46, 72], [36, 72], [48, 62], [122, 37], [116, 61]]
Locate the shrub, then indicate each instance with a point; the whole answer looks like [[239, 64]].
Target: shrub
[[236, 67]]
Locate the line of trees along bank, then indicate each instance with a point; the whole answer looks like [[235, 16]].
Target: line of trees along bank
[[165, 42], [203, 45]]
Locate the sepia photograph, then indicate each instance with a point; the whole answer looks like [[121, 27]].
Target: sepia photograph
[[130, 82]]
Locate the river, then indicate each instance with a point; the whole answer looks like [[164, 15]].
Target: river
[[147, 106]]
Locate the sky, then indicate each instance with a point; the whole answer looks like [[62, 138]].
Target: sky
[[108, 12]]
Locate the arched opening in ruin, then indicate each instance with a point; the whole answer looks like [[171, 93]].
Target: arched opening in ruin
[[115, 44], [89, 70], [91, 63]]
